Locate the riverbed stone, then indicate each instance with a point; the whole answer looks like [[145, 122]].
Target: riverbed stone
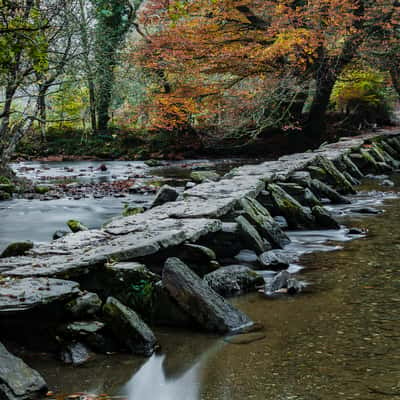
[[75, 353], [59, 234], [324, 219], [7, 187], [211, 311], [334, 176], [296, 215], [25, 294], [17, 249], [17, 380], [251, 237], [283, 282], [264, 223], [275, 259], [85, 305], [233, 280], [351, 167], [129, 328], [322, 190], [165, 194]]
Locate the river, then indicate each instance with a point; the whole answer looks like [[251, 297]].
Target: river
[[337, 340]]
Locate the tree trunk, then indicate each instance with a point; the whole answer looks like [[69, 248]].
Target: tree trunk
[[395, 74], [316, 122], [42, 112]]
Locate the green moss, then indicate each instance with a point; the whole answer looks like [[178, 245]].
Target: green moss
[[4, 195], [129, 211], [41, 189], [76, 226], [4, 180]]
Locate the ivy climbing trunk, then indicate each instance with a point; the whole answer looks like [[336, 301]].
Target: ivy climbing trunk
[[114, 18]]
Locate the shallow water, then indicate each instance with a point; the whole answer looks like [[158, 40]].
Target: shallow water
[[338, 340], [37, 220]]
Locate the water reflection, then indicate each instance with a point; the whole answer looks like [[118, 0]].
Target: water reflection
[[150, 382]]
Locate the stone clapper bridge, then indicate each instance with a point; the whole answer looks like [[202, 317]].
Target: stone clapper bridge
[[91, 290]]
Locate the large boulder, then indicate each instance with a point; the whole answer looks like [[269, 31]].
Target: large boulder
[[264, 222], [17, 380], [233, 279], [211, 311], [129, 328], [165, 195]]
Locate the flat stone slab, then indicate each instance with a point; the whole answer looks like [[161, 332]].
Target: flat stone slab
[[124, 239], [28, 293]]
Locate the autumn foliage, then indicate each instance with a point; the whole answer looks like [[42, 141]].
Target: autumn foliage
[[217, 58]]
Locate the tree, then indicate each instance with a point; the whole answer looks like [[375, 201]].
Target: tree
[[113, 20], [216, 45]]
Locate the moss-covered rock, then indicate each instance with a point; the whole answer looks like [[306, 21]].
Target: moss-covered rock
[[7, 187], [4, 180], [351, 167], [201, 176], [17, 249], [42, 189], [4, 195], [296, 215], [263, 222], [129, 328], [322, 190], [130, 210], [324, 219], [76, 226], [334, 176], [251, 237]]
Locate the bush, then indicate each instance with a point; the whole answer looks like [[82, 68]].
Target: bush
[[364, 94]]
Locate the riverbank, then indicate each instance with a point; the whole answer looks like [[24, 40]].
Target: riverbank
[[293, 189]]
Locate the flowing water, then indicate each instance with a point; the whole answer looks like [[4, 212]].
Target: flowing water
[[340, 339], [37, 220]]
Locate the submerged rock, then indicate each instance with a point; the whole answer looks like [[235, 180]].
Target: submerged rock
[[264, 222], [76, 226], [128, 328], [17, 249], [211, 311], [17, 380], [366, 210], [233, 279], [165, 195]]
